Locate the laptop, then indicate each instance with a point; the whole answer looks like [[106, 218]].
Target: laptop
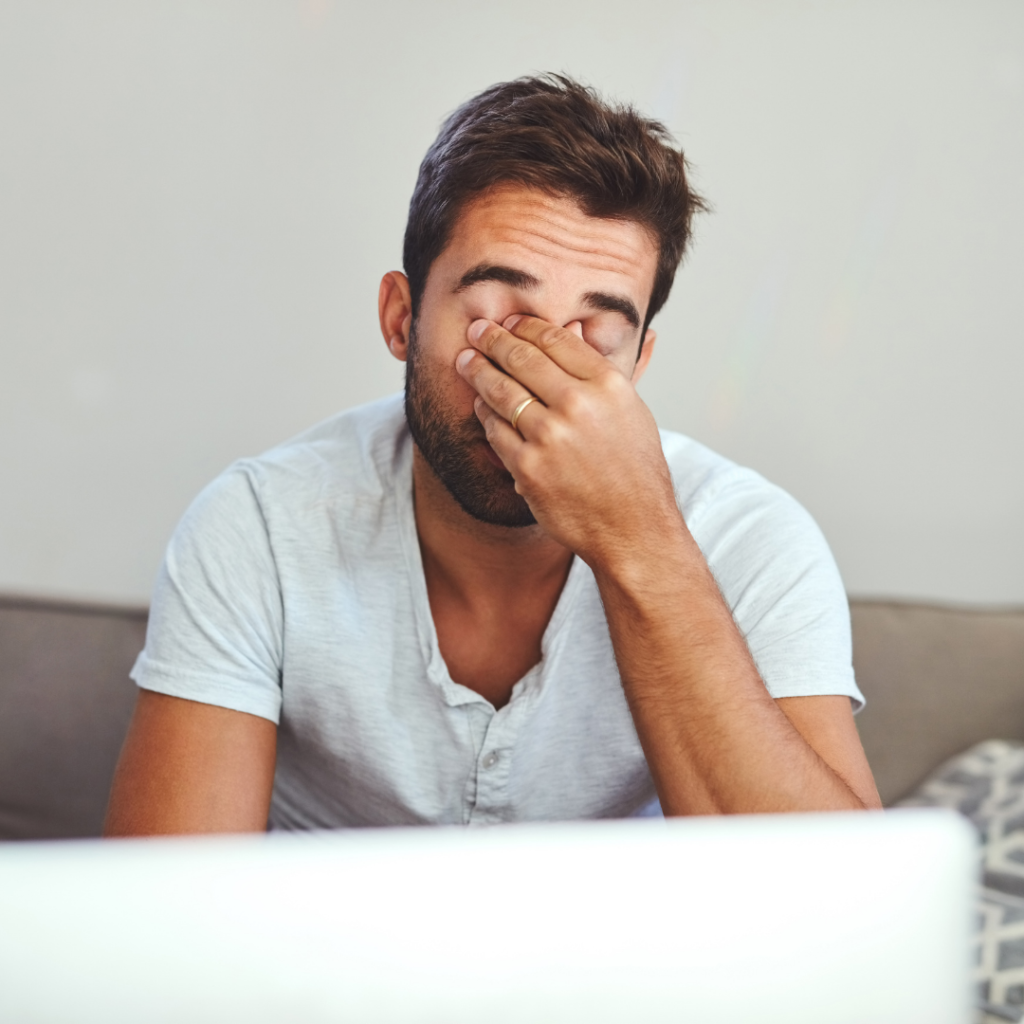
[[795, 919]]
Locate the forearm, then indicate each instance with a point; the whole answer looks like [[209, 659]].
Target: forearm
[[714, 738]]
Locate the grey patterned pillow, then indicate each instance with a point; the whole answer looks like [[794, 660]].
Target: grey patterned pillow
[[986, 785], [999, 968]]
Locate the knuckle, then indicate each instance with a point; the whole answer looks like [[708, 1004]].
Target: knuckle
[[489, 339], [501, 389], [550, 338], [519, 357], [526, 468], [542, 432], [574, 403], [613, 383], [550, 431]]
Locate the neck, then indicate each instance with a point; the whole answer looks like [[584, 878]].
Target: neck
[[475, 561]]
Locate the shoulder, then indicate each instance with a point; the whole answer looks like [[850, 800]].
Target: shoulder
[[773, 567], [350, 459], [357, 447], [720, 499]]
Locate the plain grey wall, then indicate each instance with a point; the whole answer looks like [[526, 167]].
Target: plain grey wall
[[197, 200]]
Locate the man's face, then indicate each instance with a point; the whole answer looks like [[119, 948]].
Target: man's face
[[516, 250]]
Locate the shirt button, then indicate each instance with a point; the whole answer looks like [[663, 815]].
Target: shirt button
[[491, 759]]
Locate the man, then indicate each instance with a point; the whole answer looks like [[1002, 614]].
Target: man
[[511, 598]]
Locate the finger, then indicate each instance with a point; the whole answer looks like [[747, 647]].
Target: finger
[[500, 391], [521, 360], [562, 346], [499, 433]]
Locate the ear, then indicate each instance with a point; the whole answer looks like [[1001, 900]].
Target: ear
[[394, 306], [646, 351]]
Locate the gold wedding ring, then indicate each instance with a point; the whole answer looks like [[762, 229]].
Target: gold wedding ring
[[519, 410]]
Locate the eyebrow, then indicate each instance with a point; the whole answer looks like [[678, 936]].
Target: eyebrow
[[613, 304], [527, 282], [505, 275]]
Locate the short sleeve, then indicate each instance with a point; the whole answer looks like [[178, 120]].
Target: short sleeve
[[778, 576], [216, 620]]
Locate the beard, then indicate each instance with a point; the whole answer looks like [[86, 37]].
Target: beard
[[451, 448]]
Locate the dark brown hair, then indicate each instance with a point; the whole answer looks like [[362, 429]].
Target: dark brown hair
[[552, 133]]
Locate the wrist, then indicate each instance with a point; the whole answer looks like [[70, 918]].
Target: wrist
[[651, 563]]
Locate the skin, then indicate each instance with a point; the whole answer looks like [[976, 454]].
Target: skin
[[190, 768], [587, 459]]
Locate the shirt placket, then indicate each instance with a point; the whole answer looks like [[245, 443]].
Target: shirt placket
[[493, 768]]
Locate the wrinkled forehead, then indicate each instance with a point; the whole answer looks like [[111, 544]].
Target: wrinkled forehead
[[552, 233]]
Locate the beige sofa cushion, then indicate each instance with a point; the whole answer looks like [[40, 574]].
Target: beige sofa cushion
[[937, 680], [65, 701]]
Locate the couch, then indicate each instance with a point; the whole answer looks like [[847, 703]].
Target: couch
[[937, 681]]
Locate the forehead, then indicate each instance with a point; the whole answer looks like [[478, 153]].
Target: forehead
[[538, 232]]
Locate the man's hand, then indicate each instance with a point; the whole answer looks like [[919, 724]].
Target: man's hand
[[589, 462], [587, 455]]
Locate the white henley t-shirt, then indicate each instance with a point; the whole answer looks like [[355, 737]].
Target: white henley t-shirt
[[293, 589]]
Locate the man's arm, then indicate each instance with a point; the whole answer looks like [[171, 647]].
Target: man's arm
[[188, 767], [715, 739], [589, 462]]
